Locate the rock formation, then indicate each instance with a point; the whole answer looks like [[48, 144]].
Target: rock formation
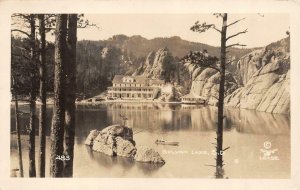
[[259, 80], [158, 65], [117, 140], [145, 154], [265, 77], [147, 66], [205, 83]]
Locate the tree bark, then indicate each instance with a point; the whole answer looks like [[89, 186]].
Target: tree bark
[[58, 120], [42, 115], [18, 136], [32, 169], [219, 148], [70, 95]]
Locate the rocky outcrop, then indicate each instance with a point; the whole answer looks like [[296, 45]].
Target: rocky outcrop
[[147, 66], [158, 65], [206, 83], [117, 140], [90, 139], [268, 89], [149, 155]]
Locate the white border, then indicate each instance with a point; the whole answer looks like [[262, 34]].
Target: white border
[[167, 6]]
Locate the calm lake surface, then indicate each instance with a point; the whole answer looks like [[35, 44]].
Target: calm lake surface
[[192, 126]]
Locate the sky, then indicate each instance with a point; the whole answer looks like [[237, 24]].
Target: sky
[[262, 30]]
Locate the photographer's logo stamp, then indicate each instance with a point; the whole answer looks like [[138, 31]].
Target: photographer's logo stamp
[[267, 153]]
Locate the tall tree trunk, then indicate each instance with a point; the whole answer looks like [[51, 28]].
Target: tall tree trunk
[[18, 129], [42, 115], [18, 137], [219, 149], [58, 120], [32, 169], [70, 95]]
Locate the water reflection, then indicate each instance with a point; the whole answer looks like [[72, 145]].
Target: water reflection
[[167, 117], [110, 161], [191, 125], [125, 163]]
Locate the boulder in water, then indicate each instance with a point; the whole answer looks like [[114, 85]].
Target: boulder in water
[[145, 154], [90, 139], [114, 140]]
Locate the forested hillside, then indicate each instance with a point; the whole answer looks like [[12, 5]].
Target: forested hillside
[[99, 61]]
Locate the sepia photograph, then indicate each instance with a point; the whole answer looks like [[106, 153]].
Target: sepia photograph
[[208, 100], [153, 96]]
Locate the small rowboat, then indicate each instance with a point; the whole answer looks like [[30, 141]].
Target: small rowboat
[[162, 142]]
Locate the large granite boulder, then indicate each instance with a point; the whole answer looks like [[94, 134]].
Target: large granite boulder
[[105, 144], [119, 130], [268, 89], [115, 140], [149, 155], [206, 82], [90, 139], [125, 148]]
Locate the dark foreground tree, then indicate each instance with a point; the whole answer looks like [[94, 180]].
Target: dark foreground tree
[[70, 94], [42, 112], [33, 91], [203, 60], [58, 120], [18, 128], [29, 54]]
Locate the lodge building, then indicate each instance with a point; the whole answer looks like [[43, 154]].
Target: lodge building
[[134, 87]]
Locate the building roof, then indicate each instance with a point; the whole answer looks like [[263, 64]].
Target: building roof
[[191, 95], [118, 79]]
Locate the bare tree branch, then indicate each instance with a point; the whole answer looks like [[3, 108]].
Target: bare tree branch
[[215, 28], [21, 31], [236, 22], [210, 165], [243, 32], [237, 44]]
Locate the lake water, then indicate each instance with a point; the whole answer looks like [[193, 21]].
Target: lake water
[[192, 126]]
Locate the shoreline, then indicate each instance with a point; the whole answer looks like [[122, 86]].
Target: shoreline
[[106, 101]]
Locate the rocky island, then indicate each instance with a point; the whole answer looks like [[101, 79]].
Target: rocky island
[[117, 140]]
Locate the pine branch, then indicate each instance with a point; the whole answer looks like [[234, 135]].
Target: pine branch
[[86, 25]]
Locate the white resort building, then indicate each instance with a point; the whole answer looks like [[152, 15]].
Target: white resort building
[[134, 87]]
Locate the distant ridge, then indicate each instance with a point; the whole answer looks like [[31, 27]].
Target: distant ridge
[[140, 46]]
